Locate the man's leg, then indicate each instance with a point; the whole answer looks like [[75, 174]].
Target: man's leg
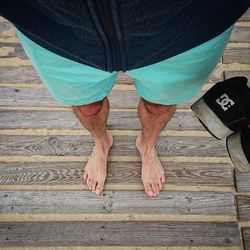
[[94, 118], [154, 118]]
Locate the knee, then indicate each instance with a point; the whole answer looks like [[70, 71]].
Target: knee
[[92, 108], [158, 108]]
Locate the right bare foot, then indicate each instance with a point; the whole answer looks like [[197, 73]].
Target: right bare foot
[[96, 168]]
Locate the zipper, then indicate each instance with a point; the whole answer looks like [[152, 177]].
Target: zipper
[[105, 14]]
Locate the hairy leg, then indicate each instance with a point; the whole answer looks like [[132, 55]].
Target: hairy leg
[[154, 117], [94, 117]]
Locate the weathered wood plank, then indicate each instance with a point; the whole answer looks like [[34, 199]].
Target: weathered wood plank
[[245, 17], [242, 182], [10, 119], [64, 173], [6, 30], [246, 238], [20, 74], [229, 74], [240, 35], [16, 51], [116, 202], [236, 55], [123, 146], [109, 234], [124, 79], [41, 97], [244, 207]]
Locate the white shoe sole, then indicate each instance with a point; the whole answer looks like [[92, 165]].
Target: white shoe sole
[[236, 152], [210, 120]]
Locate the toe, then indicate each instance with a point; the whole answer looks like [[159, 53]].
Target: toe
[[154, 187], [159, 186], [93, 186], [149, 190], [163, 179], [85, 175], [89, 182], [99, 187]]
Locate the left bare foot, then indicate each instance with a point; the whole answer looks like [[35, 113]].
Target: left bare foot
[[152, 169]]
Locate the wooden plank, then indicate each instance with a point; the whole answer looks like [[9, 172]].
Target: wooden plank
[[109, 234], [229, 74], [123, 146], [245, 17], [15, 52], [236, 55], [65, 173], [23, 74], [242, 181], [28, 74], [30, 97], [246, 238], [6, 30], [41, 97], [124, 79], [240, 34], [244, 207], [116, 202], [13, 119]]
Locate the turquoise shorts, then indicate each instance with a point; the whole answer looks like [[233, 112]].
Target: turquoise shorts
[[172, 81]]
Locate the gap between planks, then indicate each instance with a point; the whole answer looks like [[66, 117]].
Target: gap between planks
[[115, 217]]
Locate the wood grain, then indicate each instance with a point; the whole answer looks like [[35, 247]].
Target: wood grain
[[123, 145], [11, 119], [116, 202], [229, 74], [246, 238], [21, 74], [38, 97], [17, 51], [70, 173], [242, 181], [243, 207], [236, 55], [240, 35], [118, 234], [245, 17]]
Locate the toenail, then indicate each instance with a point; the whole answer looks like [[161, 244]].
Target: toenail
[[98, 191], [150, 193]]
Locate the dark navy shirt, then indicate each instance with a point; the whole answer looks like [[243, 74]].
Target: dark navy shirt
[[120, 35]]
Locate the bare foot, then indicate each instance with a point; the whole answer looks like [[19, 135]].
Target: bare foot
[[96, 168], [152, 169]]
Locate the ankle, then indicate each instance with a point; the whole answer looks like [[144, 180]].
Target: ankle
[[143, 145], [104, 140]]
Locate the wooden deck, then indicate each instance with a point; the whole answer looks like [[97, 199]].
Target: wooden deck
[[44, 204]]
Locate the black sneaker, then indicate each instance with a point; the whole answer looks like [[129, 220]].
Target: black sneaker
[[238, 147], [225, 108]]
